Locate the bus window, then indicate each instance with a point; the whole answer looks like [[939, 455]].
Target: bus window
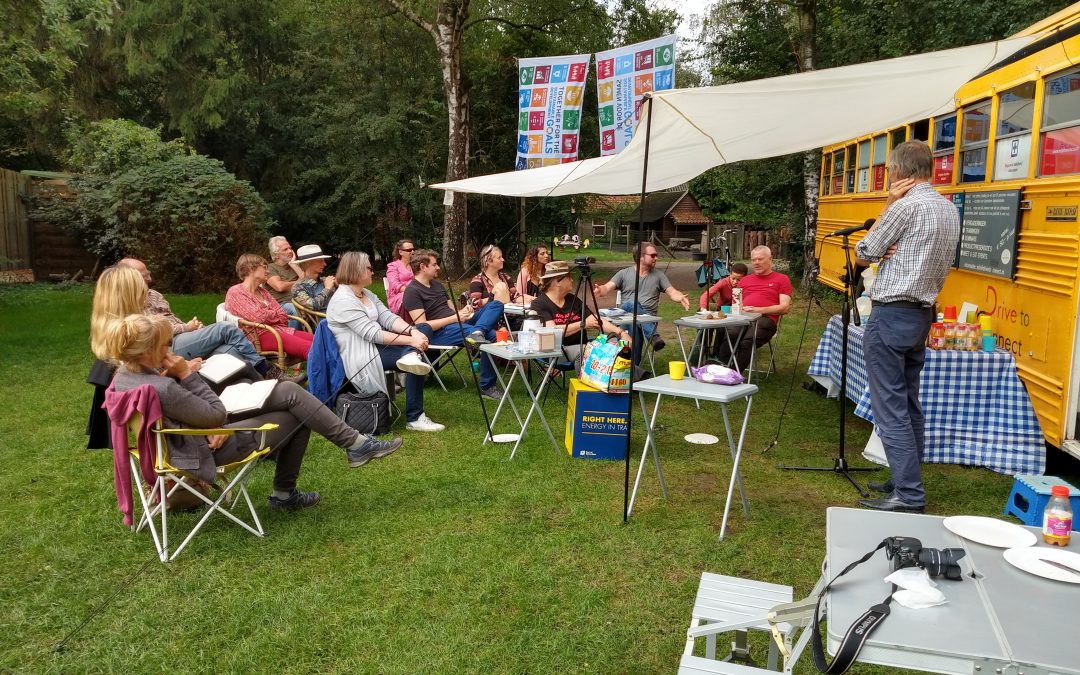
[[1060, 151], [837, 173], [880, 152], [849, 170], [826, 172], [898, 136], [862, 182], [944, 142], [973, 142], [920, 131], [1012, 144]]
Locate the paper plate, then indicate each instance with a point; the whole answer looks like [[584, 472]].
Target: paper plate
[[1030, 559], [505, 438], [701, 439], [989, 531]]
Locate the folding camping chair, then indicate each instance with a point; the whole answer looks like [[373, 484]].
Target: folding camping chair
[[772, 354], [170, 479]]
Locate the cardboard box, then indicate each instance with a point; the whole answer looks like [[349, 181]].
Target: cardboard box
[[596, 423]]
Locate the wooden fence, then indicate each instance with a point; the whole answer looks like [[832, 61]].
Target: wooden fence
[[15, 244]]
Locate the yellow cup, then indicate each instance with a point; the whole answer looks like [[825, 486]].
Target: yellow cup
[[677, 369]]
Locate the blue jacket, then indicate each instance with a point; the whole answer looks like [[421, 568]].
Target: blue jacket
[[325, 370]]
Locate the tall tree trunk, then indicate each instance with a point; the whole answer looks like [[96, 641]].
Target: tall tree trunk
[[807, 16], [446, 31]]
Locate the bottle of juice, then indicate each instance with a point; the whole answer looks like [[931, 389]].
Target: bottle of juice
[[950, 335], [1057, 517], [937, 336]]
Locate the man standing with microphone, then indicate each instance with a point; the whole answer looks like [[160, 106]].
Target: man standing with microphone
[[915, 240]]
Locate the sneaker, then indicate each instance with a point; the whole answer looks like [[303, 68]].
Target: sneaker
[[297, 500], [658, 343], [476, 337], [424, 423], [371, 449], [273, 372], [493, 392], [412, 363]]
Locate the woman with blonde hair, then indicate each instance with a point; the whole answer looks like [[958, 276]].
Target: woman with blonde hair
[[528, 279], [399, 274], [371, 339], [482, 286], [140, 344], [250, 301]]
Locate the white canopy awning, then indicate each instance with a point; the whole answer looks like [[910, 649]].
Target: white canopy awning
[[694, 130]]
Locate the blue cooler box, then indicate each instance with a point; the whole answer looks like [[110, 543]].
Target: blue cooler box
[[596, 423]]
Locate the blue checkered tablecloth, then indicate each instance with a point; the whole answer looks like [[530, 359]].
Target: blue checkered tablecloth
[[977, 410]]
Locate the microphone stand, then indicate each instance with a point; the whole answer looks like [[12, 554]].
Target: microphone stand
[[840, 464]]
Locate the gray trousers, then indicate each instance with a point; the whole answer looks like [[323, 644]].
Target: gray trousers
[[895, 349]]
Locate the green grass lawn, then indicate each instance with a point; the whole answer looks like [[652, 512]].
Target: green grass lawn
[[443, 557]]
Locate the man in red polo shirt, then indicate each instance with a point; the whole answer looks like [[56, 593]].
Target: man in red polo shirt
[[763, 292]]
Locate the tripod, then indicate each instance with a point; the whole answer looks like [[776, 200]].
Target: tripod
[[840, 464], [585, 281]]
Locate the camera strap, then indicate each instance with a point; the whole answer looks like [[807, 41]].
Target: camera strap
[[859, 631]]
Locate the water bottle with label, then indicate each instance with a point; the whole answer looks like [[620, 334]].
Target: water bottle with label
[[618, 298]]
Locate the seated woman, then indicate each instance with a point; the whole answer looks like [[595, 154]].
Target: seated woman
[[558, 306], [251, 302], [372, 339], [528, 279], [398, 274], [140, 345], [311, 291], [482, 287]]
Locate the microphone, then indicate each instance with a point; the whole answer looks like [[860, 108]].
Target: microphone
[[843, 232]]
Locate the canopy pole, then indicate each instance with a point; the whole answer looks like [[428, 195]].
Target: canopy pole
[[634, 334]]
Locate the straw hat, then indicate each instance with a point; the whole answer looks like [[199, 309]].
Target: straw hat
[[557, 268], [309, 252]]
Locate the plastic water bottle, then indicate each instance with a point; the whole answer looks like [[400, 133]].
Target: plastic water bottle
[[869, 275], [618, 298], [864, 305]]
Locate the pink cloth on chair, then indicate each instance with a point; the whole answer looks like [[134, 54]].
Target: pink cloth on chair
[[121, 405]]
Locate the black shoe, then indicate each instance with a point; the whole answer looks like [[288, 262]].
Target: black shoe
[[891, 502], [885, 486], [297, 500], [658, 343], [371, 449], [494, 392], [476, 338]]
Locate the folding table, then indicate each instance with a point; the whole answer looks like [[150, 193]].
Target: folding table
[[691, 388], [626, 321], [999, 619], [520, 362]]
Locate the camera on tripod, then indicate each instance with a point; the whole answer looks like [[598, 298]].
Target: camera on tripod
[[938, 562], [583, 261]]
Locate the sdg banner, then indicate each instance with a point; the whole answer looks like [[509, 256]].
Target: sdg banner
[[623, 77], [550, 93]]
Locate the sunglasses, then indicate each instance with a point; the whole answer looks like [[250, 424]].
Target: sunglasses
[[486, 250], [407, 250], [650, 255]]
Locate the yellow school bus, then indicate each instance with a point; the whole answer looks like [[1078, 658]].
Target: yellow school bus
[[1009, 158]]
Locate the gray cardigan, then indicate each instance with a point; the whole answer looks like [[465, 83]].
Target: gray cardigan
[[356, 335], [188, 403]]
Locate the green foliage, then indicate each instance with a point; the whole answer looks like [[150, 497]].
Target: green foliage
[[111, 147], [183, 214]]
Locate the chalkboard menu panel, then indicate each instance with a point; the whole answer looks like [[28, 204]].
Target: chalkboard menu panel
[[988, 227]]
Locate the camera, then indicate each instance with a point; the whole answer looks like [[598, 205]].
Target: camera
[[938, 562], [584, 261]]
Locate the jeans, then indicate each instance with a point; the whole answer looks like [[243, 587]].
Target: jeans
[[485, 319], [753, 337], [645, 331], [217, 338], [293, 409], [414, 384], [290, 309], [895, 348]]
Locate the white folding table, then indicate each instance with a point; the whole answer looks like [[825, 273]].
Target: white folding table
[[626, 321], [998, 620], [520, 362], [690, 388]]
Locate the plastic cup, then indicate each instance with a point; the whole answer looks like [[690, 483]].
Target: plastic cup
[[677, 369], [502, 335], [986, 321], [989, 342], [726, 309], [950, 312]]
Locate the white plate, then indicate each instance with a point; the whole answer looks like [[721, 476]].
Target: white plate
[[505, 438], [1028, 560], [701, 439], [989, 531]]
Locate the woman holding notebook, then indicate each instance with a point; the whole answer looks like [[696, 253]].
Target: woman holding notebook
[[139, 344]]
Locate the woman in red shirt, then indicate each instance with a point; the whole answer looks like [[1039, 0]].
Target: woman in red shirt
[[251, 302]]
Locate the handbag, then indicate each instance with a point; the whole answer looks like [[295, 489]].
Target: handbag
[[606, 365], [367, 413]]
